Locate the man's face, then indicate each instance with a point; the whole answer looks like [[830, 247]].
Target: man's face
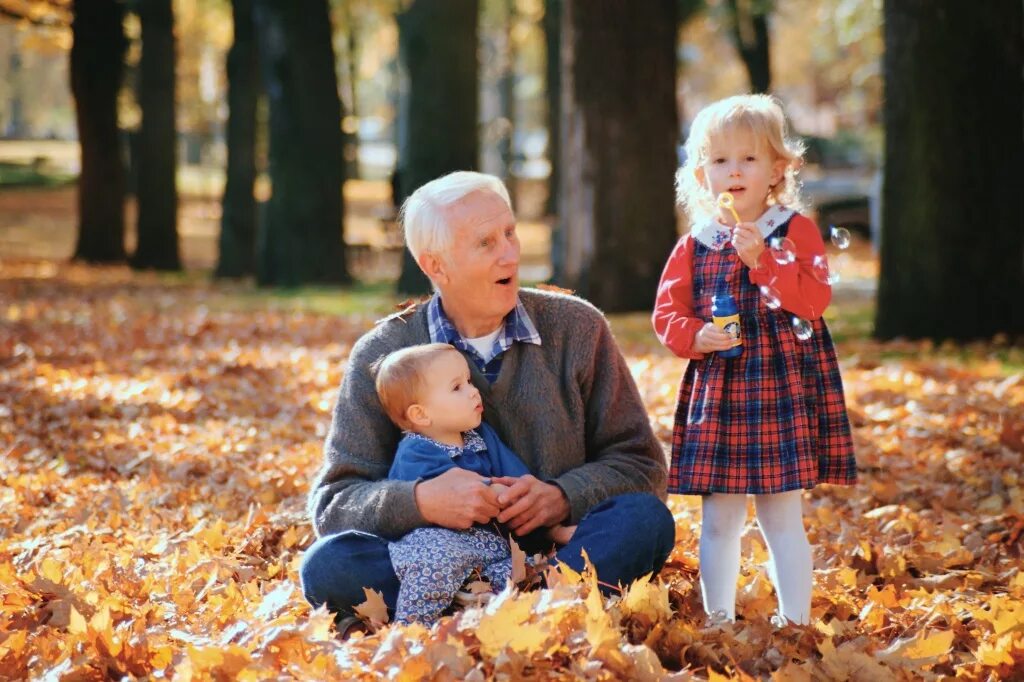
[[479, 279]]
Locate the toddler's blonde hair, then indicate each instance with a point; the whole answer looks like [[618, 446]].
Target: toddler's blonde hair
[[400, 380], [763, 117]]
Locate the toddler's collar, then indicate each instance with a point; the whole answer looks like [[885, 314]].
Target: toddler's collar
[[715, 235]]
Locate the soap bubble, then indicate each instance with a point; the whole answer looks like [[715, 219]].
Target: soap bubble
[[771, 297], [840, 237], [822, 273], [783, 250], [802, 328]]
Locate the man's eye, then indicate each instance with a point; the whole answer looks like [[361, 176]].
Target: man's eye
[[485, 243]]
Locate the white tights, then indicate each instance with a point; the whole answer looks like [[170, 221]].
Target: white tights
[[781, 520]]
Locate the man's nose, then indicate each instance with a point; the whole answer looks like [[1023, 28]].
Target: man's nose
[[510, 252]]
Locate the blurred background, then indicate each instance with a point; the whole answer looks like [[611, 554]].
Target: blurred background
[[211, 135]]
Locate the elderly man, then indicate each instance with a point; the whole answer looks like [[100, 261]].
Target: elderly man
[[553, 383]]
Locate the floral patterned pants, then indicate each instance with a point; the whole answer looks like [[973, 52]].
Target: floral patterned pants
[[433, 563]]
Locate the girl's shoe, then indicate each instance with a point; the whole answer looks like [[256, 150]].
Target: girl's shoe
[[465, 598]]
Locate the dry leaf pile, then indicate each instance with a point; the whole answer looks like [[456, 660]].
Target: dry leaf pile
[[158, 440]]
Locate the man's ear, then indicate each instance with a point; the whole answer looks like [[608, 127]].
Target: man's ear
[[417, 415], [434, 267]]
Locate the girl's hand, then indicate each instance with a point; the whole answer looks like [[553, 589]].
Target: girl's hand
[[749, 243], [712, 338]]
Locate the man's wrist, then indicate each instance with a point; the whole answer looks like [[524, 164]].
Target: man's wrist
[[566, 507]]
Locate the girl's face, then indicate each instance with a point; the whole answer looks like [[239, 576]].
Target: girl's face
[[451, 404], [743, 165]]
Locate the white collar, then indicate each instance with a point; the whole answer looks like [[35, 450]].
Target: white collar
[[715, 235]]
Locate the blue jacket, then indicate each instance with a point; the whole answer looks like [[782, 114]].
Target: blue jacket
[[420, 458]]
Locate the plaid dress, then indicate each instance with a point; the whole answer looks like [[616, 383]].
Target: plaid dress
[[771, 420]]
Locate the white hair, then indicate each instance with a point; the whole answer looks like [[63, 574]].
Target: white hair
[[423, 214]]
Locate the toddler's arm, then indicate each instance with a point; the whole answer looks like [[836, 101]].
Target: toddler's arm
[[675, 320], [800, 291]]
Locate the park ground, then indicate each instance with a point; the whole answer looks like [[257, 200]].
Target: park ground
[[159, 433]]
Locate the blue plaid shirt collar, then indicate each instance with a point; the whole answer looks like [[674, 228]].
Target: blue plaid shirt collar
[[518, 327]]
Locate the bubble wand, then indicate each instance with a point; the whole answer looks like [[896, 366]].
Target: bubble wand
[[726, 201]]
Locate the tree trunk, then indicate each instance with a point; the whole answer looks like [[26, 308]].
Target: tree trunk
[[617, 216], [300, 240], [952, 247], [507, 97], [157, 193], [350, 137], [238, 217], [438, 41], [952, 238], [97, 69], [553, 71], [750, 33]]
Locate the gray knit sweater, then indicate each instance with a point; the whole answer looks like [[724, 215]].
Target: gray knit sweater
[[569, 408]]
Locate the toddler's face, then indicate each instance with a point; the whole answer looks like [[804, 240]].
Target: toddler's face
[[451, 402], [741, 164]]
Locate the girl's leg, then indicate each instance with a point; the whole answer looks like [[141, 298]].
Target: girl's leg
[[723, 518], [780, 517]]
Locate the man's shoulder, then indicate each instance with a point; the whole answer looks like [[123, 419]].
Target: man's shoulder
[[556, 308], [405, 327]]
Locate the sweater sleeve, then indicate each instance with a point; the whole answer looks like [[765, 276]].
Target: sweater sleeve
[[622, 453], [675, 322], [800, 292], [351, 490]]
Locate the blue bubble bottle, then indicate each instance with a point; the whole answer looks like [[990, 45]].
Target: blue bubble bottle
[[726, 315]]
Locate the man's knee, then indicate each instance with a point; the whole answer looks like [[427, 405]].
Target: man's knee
[[629, 534], [336, 568], [652, 515]]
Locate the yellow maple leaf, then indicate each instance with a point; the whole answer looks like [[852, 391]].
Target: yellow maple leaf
[[518, 563], [919, 649], [648, 598], [373, 609], [508, 622], [600, 630], [76, 622], [995, 653]]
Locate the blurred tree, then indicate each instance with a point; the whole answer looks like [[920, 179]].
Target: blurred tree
[[952, 250], [97, 69], [749, 22], [553, 73], [350, 34], [157, 145], [300, 239], [619, 136], [438, 48], [237, 256]]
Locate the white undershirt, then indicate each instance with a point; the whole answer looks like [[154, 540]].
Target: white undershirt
[[484, 345]]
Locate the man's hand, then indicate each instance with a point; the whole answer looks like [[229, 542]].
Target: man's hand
[[529, 504], [749, 243], [456, 499]]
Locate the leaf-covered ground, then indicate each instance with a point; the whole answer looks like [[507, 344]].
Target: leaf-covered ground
[[158, 436]]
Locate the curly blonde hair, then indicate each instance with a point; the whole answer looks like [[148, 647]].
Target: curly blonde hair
[[763, 117]]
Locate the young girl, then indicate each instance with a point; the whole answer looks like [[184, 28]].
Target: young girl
[[771, 421], [426, 391]]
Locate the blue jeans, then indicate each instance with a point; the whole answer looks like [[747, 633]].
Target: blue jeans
[[625, 537]]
